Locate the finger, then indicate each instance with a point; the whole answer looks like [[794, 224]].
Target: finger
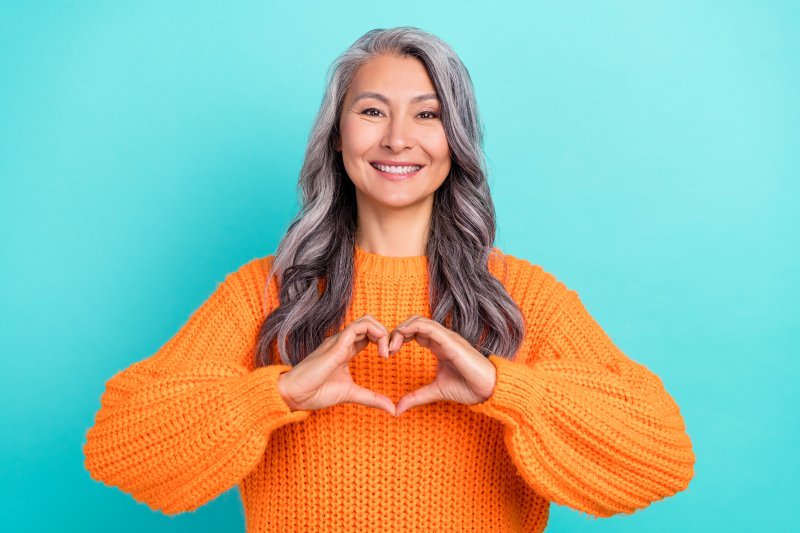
[[370, 398], [401, 337], [353, 336], [428, 329], [382, 341], [424, 395], [396, 339], [393, 342]]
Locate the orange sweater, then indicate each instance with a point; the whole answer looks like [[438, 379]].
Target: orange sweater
[[572, 420]]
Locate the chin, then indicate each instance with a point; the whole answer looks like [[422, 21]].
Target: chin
[[399, 202]]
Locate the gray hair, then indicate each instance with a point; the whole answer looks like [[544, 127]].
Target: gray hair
[[464, 296]]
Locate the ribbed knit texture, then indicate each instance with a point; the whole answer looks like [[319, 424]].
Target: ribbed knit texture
[[572, 420]]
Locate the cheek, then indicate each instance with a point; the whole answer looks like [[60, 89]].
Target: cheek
[[436, 145], [440, 151], [356, 138]]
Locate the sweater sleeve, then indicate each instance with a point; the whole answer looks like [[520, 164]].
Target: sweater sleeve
[[586, 426], [188, 423]]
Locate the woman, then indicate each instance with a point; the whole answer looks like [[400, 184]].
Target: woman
[[298, 381]]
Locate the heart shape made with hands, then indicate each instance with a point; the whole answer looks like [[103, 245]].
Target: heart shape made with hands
[[464, 375]]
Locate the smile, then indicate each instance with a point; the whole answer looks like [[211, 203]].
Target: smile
[[396, 172]]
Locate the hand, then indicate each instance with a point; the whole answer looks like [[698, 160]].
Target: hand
[[464, 375], [323, 378]]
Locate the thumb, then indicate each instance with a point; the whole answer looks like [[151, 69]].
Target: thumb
[[428, 394], [370, 398]]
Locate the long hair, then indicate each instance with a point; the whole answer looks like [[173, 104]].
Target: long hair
[[314, 262]]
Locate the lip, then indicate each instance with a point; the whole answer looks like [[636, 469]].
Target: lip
[[397, 163], [396, 177]]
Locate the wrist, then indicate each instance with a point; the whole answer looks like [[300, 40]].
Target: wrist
[[281, 385]]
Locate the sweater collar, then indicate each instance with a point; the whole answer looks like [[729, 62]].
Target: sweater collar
[[389, 267]]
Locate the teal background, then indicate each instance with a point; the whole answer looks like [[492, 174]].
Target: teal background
[[646, 153]]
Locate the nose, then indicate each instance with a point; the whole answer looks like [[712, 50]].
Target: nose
[[399, 133]]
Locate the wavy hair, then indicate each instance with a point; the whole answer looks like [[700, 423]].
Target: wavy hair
[[314, 262]]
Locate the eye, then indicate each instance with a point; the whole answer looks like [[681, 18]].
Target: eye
[[433, 113], [365, 112], [378, 112]]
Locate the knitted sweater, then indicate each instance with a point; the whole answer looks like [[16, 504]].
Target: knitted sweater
[[571, 420]]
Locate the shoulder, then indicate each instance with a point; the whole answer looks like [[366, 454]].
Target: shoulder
[[537, 292], [254, 267], [250, 272], [527, 282], [249, 283]]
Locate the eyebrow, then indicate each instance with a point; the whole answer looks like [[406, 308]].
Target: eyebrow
[[382, 98]]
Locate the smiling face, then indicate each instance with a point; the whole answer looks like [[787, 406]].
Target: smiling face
[[390, 115]]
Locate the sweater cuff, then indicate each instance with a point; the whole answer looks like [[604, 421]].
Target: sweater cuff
[[517, 392], [259, 392]]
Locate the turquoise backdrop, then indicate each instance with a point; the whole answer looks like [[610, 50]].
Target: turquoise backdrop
[[646, 153]]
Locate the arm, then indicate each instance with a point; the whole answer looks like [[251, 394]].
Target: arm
[[187, 424], [586, 426]]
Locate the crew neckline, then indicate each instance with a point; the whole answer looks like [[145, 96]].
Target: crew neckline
[[372, 264]]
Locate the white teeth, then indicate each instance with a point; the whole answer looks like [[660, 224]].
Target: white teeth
[[397, 170]]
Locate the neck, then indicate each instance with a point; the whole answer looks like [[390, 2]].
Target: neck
[[371, 265], [394, 232]]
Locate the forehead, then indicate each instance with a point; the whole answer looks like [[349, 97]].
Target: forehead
[[393, 77]]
